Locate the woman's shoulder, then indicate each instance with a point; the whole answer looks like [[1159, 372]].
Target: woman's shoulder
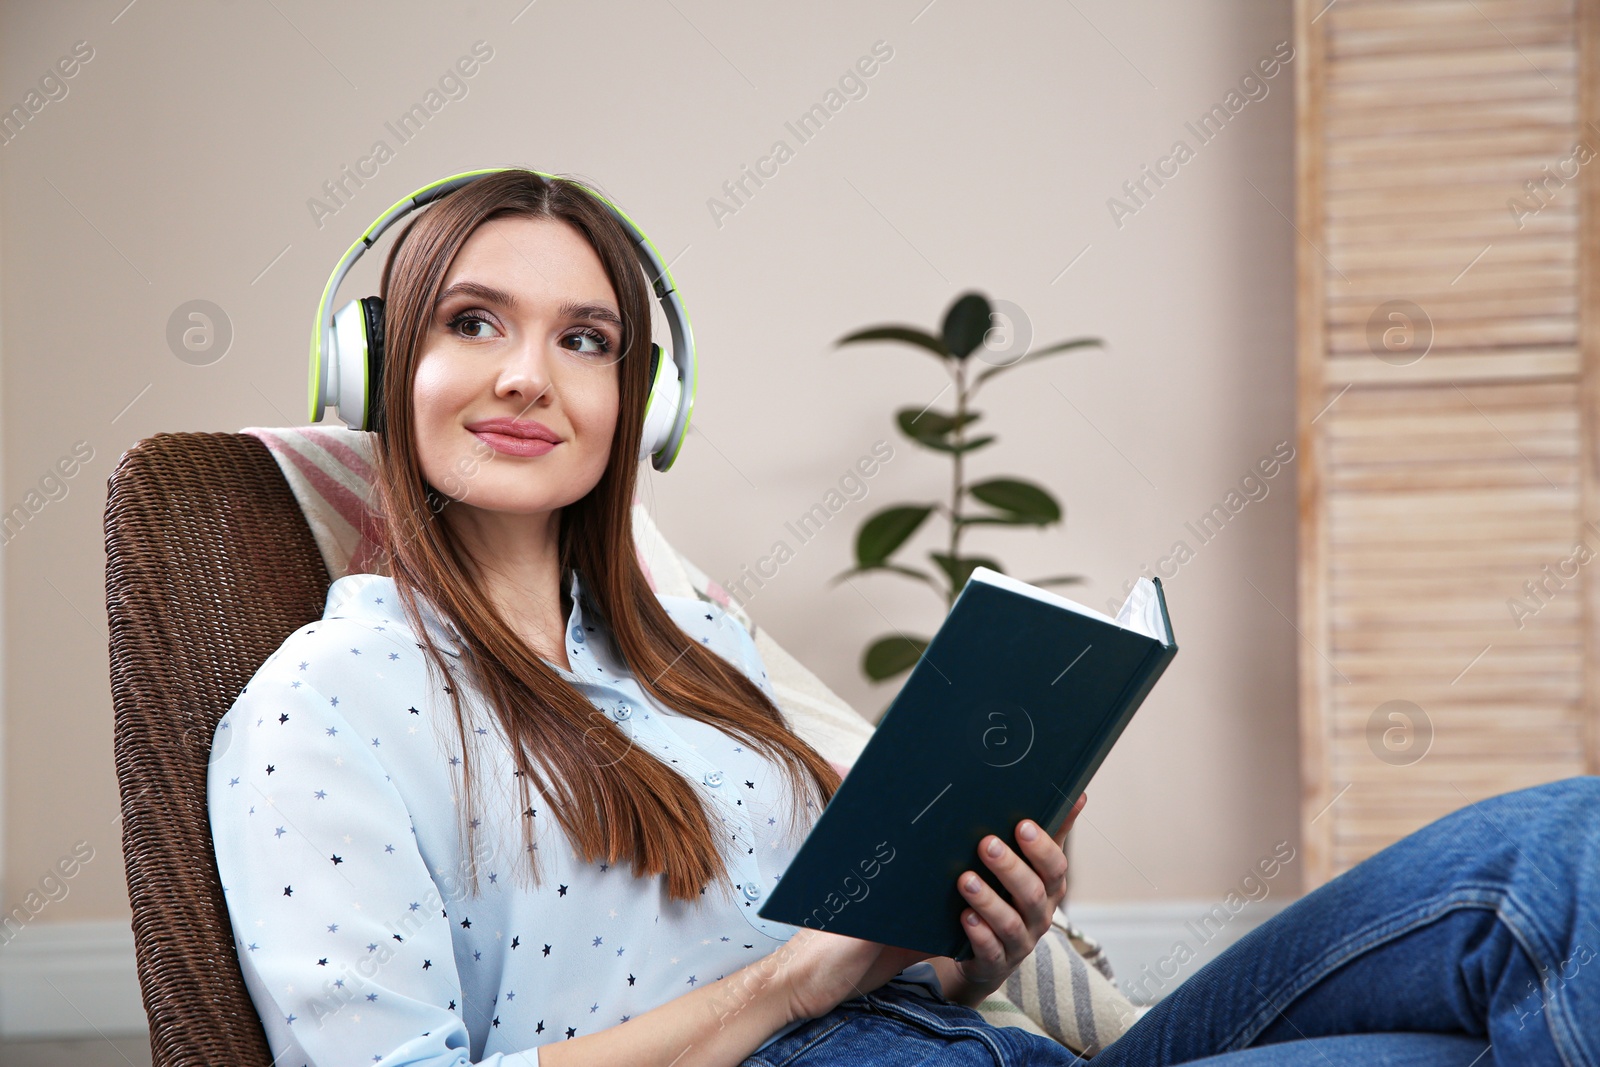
[[703, 618], [721, 631], [362, 623]]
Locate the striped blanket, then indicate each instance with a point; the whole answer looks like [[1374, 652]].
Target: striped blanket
[[1064, 989]]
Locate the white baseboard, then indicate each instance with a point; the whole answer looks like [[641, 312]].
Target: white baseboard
[[73, 979], [1142, 940], [63, 980]]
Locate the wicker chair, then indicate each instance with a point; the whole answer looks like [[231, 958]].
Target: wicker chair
[[209, 567]]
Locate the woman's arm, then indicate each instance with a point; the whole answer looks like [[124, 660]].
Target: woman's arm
[[343, 942], [721, 1024], [715, 1025]]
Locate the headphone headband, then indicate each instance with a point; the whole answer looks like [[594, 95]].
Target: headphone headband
[[324, 383]]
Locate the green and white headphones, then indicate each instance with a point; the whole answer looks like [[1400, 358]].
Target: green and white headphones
[[347, 346]]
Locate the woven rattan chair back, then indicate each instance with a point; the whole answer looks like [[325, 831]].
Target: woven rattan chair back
[[209, 567]]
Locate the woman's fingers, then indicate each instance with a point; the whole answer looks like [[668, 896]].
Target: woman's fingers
[[1034, 880], [994, 914], [987, 948], [1031, 883], [1047, 858], [1072, 817]]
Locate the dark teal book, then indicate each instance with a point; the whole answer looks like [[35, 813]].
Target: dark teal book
[[1007, 715]]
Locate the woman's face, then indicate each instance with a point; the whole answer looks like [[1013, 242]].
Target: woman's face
[[526, 330]]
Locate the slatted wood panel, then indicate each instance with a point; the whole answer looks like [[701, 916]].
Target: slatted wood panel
[[1434, 486]]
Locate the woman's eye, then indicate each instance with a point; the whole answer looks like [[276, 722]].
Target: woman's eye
[[470, 325], [591, 342]]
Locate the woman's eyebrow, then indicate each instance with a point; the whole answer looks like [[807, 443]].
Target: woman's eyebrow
[[482, 292], [570, 309], [598, 312]]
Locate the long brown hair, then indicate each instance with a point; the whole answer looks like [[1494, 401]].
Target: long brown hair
[[614, 800]]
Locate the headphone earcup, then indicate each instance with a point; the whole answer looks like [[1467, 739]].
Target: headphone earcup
[[661, 406], [372, 319], [355, 361]]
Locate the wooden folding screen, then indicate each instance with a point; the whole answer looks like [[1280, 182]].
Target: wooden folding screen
[[1450, 495]]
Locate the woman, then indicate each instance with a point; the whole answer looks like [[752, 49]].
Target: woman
[[598, 905]]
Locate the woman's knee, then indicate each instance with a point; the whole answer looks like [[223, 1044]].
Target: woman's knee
[[1561, 816], [1578, 796]]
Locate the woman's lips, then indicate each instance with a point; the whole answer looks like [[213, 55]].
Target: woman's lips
[[514, 446]]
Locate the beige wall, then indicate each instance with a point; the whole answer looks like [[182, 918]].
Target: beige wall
[[179, 166]]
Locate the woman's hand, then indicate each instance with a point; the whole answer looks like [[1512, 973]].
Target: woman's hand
[[820, 969], [1003, 932]]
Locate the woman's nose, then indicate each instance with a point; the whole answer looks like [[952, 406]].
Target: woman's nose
[[527, 373]]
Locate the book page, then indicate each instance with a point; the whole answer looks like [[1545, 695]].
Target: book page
[[1141, 612]]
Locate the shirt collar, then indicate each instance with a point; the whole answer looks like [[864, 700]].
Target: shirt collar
[[375, 598]]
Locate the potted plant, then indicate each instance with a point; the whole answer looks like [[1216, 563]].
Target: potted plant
[[1005, 501]]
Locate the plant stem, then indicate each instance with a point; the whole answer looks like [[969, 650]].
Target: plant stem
[[955, 482]]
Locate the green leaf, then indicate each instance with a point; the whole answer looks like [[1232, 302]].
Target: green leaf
[[886, 531], [994, 520], [1025, 501], [932, 428], [960, 568], [1039, 353], [908, 334], [976, 442], [926, 422], [966, 324], [939, 445], [1058, 579], [889, 656]]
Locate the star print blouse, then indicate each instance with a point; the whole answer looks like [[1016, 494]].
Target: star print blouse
[[332, 794]]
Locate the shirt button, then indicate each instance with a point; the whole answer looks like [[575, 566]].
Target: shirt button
[[713, 778], [577, 634], [751, 890], [623, 711]]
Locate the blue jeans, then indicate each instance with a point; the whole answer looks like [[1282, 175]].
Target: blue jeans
[[1475, 942]]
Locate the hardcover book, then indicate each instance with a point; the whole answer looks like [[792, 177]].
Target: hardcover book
[[1007, 715]]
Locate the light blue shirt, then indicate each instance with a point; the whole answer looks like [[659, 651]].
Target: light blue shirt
[[335, 808]]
